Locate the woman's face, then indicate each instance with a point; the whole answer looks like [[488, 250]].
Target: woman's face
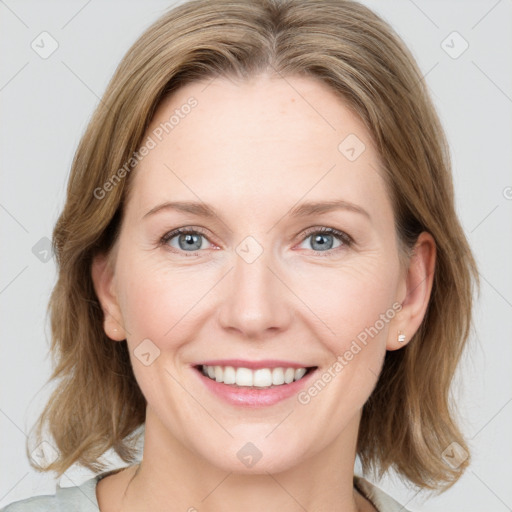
[[255, 282]]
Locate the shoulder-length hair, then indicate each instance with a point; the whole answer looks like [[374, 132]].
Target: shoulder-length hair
[[408, 421]]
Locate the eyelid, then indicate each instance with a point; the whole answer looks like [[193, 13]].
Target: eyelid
[[342, 235], [184, 230]]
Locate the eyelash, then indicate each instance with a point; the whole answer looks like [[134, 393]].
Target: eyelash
[[346, 240]]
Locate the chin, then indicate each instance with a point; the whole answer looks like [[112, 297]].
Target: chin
[[253, 458]]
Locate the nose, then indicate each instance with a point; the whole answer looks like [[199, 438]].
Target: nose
[[256, 303]]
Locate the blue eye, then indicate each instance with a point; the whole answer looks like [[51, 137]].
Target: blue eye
[[188, 240], [192, 240], [322, 239]]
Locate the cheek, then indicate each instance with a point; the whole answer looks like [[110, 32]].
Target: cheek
[[156, 297], [158, 303], [352, 294], [354, 301], [357, 303]]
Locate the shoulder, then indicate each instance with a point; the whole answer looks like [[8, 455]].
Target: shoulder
[[381, 501], [80, 498]]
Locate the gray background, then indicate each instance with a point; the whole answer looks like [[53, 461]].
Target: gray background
[[46, 104]]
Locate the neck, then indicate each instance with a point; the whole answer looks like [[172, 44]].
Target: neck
[[184, 481]]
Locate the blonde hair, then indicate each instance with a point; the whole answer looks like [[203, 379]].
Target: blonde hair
[[408, 420]]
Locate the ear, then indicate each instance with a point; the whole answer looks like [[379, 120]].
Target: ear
[[102, 273], [415, 291]]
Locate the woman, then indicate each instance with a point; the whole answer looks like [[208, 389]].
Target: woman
[[259, 263]]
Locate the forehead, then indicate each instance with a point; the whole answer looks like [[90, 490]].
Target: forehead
[[248, 141]]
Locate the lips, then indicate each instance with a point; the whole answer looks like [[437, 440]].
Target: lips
[[262, 374], [241, 386]]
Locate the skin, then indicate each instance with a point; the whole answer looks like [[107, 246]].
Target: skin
[[253, 151]]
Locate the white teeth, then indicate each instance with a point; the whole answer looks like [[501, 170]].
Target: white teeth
[[261, 378], [289, 375], [229, 375], [243, 376], [277, 376], [299, 373]]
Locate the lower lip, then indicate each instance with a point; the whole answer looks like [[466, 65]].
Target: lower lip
[[251, 396]]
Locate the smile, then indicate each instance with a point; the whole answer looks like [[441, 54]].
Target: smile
[[259, 378]]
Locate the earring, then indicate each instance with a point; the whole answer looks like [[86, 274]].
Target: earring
[[401, 336]]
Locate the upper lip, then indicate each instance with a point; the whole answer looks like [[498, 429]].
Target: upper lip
[[253, 365]]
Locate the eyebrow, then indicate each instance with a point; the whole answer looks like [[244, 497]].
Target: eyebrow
[[302, 210]]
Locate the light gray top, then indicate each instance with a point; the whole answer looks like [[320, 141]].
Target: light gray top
[[82, 498]]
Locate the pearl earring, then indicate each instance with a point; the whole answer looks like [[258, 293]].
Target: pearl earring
[[401, 336]]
